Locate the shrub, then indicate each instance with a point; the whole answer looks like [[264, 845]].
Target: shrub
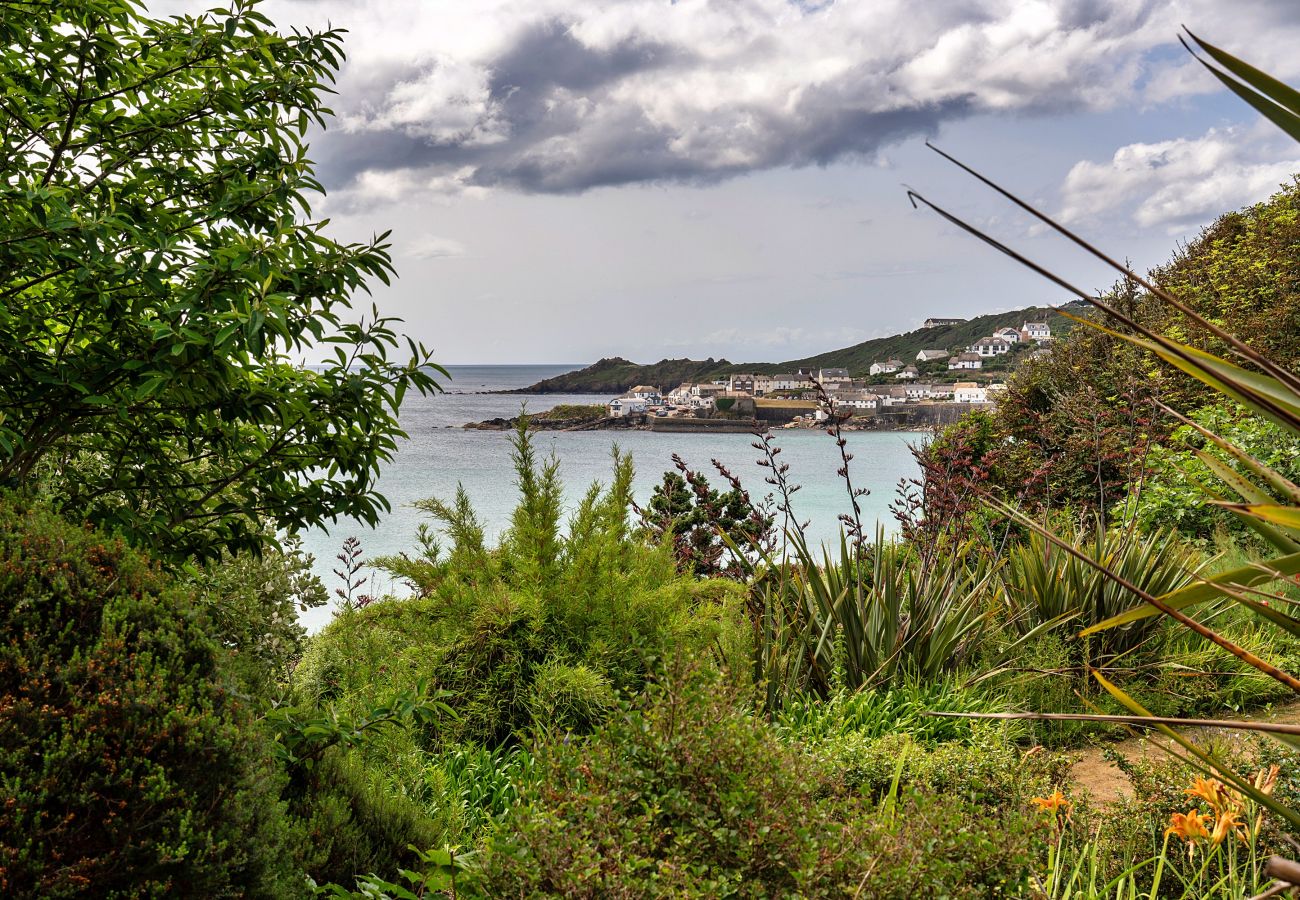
[[128, 764], [687, 795]]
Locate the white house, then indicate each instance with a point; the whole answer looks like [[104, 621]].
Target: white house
[[968, 392], [1010, 335], [918, 391], [626, 406], [931, 355], [681, 395], [1038, 331], [966, 361], [856, 400], [990, 346], [934, 322], [650, 395], [788, 382], [888, 367], [908, 373]]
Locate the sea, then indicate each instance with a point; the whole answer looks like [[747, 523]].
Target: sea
[[438, 454]]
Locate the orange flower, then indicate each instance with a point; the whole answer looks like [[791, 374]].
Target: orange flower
[[1213, 792], [1228, 821], [1052, 805], [1189, 826], [1266, 780]]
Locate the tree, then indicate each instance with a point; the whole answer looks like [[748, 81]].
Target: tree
[[160, 271]]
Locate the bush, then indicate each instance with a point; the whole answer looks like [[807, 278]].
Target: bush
[[128, 764], [687, 795]]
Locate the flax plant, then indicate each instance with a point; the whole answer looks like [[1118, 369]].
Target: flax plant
[[1260, 496]]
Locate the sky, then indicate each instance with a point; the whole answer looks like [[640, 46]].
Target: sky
[[567, 180]]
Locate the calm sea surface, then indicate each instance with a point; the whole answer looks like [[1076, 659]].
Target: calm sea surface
[[439, 454]]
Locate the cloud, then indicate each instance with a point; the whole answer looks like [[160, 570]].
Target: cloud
[[1183, 183], [431, 246], [561, 96]]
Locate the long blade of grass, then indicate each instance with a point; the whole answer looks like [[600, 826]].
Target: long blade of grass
[[1275, 112], [1137, 719], [1224, 772], [1277, 480], [1285, 517], [1279, 92], [1240, 347]]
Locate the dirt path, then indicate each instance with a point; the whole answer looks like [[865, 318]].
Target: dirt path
[[1093, 772]]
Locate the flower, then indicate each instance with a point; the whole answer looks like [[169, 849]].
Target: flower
[[1053, 805], [1213, 792], [1266, 780], [1189, 826], [1228, 821]]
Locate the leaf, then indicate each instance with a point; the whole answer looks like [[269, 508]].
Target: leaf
[[1207, 589]]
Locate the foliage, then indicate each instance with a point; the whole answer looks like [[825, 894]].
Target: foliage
[[1044, 584], [543, 629], [1174, 491], [253, 603], [161, 270], [686, 795], [867, 618], [711, 532], [129, 766], [1263, 382]]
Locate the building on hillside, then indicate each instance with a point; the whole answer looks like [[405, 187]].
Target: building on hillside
[[1038, 331], [968, 392], [935, 322], [833, 378], [994, 389], [1010, 335], [649, 394], [797, 381], [966, 361], [622, 407], [762, 385], [856, 400], [908, 373], [925, 356], [740, 384], [919, 391], [989, 346], [888, 367], [680, 395]]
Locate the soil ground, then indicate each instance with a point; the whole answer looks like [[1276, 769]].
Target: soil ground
[[1093, 772]]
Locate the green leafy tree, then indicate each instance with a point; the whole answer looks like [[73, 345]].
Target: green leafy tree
[[160, 271]]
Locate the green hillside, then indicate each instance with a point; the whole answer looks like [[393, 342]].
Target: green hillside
[[858, 358], [615, 374]]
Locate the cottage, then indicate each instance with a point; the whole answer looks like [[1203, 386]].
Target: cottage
[[626, 406], [740, 384], [1038, 331], [1010, 335], [968, 392], [856, 400], [909, 372], [990, 346], [798, 381], [966, 361], [650, 395], [918, 391], [888, 367], [831, 379], [925, 356], [936, 322]]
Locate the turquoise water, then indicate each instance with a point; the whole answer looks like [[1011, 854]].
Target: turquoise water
[[439, 454]]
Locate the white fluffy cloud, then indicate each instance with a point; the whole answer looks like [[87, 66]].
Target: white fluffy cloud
[[560, 96], [1179, 184]]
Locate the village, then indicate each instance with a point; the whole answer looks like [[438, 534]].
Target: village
[[794, 399]]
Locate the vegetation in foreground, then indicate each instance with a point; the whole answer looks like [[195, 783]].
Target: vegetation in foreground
[[686, 700]]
